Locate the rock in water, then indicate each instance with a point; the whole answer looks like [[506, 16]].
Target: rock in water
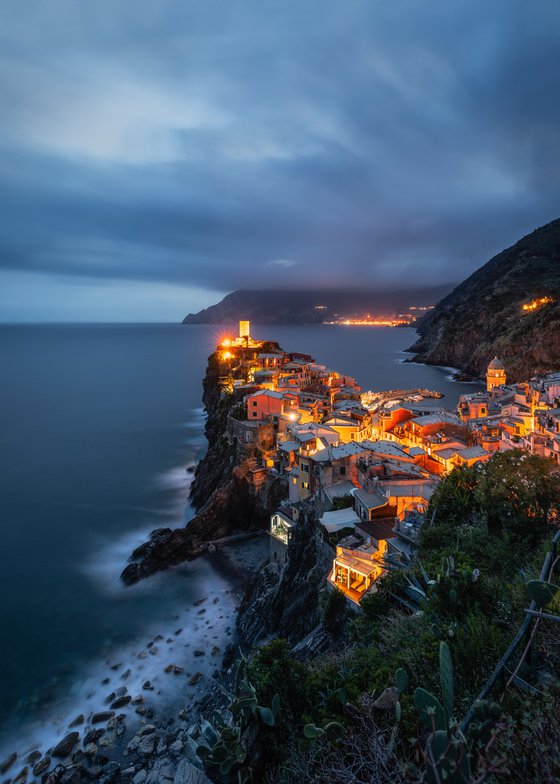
[[42, 766], [97, 718], [120, 702], [64, 748], [8, 762]]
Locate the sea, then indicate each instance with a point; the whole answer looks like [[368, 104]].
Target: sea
[[99, 425]]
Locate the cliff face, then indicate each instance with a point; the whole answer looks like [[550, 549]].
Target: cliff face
[[484, 316], [284, 601], [229, 491]]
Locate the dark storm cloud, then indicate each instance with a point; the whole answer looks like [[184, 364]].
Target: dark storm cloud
[[229, 144]]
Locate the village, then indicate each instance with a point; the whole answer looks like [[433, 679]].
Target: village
[[365, 465]]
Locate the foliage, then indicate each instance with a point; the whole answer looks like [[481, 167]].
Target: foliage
[[447, 755], [365, 752], [454, 498], [545, 595], [232, 743], [464, 598], [529, 741], [239, 412], [334, 609], [273, 670], [334, 537], [342, 502], [512, 492]]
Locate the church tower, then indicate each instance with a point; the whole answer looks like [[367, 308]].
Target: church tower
[[495, 374]]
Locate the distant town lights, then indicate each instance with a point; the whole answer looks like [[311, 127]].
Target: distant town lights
[[535, 304]]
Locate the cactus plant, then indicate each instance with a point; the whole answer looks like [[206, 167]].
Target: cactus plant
[[332, 730], [447, 753], [545, 595], [228, 744]]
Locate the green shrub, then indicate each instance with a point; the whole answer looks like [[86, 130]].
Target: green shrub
[[334, 610]]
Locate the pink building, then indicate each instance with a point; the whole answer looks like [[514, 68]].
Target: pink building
[[265, 404]]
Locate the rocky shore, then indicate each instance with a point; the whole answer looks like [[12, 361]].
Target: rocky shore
[[135, 729]]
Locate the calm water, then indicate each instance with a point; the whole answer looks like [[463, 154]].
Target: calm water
[[97, 426]]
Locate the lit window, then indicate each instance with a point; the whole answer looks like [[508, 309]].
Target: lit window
[[305, 485]]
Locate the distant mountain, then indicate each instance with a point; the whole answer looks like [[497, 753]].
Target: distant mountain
[[311, 307], [485, 315]]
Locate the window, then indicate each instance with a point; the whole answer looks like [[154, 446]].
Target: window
[[305, 485], [255, 402], [305, 468], [255, 413], [342, 470]]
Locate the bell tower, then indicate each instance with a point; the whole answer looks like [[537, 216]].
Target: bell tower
[[495, 375]]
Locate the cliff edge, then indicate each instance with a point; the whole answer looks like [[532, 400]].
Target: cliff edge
[[231, 492]]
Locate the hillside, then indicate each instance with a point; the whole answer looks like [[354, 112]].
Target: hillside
[[300, 307], [484, 315]]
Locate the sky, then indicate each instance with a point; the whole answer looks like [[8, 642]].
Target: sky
[[157, 155]]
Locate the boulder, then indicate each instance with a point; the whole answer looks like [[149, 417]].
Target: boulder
[[186, 773], [120, 702], [387, 699], [147, 745], [163, 772], [65, 746], [21, 777], [8, 762], [102, 716], [42, 766]]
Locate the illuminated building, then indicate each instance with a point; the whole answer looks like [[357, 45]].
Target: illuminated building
[[495, 375]]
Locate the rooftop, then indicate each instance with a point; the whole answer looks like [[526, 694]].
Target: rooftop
[[496, 364]]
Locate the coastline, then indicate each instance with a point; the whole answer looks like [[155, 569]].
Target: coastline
[[165, 709], [160, 680]]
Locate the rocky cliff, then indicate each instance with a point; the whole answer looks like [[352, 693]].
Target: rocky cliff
[[284, 600], [230, 492], [485, 315]]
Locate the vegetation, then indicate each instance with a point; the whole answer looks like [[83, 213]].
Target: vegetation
[[232, 744], [343, 502], [383, 704]]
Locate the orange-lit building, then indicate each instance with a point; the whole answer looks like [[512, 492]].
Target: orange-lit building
[[495, 375]]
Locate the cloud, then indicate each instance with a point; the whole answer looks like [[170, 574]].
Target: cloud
[[280, 263], [208, 146]]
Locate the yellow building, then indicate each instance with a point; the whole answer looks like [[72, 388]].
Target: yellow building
[[495, 374]]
